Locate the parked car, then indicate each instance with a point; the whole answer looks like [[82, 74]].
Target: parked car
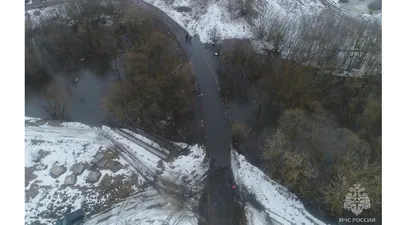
[[75, 218]]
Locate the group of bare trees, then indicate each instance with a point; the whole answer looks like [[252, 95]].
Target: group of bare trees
[[156, 93], [335, 43], [57, 100], [78, 30], [323, 73], [242, 9]]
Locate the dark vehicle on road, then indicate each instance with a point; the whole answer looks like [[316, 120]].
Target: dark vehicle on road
[[75, 218]]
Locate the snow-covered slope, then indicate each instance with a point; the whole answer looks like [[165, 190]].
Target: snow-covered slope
[[273, 201], [203, 17], [51, 143]]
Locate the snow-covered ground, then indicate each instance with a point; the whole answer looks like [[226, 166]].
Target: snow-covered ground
[[277, 204], [202, 20], [35, 15], [145, 208], [49, 143]]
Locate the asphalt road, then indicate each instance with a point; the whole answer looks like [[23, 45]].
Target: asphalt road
[[221, 209], [218, 139]]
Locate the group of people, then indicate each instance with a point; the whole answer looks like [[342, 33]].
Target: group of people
[[188, 38]]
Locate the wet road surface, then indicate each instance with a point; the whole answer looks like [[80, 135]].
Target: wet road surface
[[218, 137]]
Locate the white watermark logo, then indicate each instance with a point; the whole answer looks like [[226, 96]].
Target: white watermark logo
[[357, 200]]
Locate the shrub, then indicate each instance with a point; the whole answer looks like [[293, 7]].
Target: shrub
[[242, 8], [313, 149], [57, 100], [214, 35]]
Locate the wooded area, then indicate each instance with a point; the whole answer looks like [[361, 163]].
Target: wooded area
[[323, 74], [156, 92]]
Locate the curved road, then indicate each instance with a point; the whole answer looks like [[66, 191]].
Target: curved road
[[221, 210]]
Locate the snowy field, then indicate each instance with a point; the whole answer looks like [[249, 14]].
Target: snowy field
[[275, 204], [50, 143]]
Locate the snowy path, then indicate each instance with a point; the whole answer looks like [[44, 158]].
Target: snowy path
[[51, 133], [143, 144]]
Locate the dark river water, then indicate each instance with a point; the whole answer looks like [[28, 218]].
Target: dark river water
[[85, 97]]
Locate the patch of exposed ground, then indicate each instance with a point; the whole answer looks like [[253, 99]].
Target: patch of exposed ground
[[29, 175], [40, 154], [48, 198], [113, 189], [110, 190], [32, 192], [110, 154]]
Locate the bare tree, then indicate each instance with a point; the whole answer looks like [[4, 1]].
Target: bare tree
[[242, 8], [57, 100], [259, 28], [277, 35], [214, 35]]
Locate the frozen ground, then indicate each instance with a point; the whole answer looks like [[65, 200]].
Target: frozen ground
[[271, 203], [49, 143]]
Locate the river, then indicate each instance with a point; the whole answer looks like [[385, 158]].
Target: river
[[85, 97]]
